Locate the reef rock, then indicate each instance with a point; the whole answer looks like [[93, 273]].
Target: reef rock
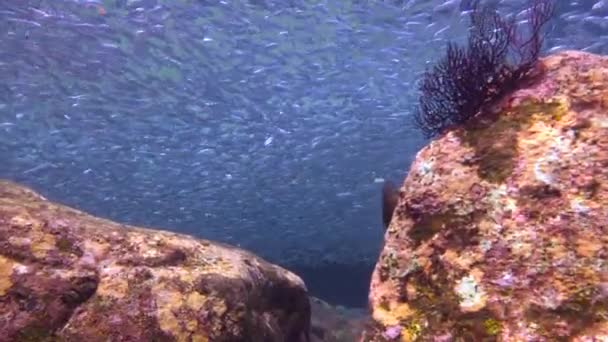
[[69, 276], [501, 229]]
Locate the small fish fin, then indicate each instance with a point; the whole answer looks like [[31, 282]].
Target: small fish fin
[[390, 197]]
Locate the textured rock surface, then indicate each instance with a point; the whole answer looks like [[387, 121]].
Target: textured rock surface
[[65, 275], [501, 230]]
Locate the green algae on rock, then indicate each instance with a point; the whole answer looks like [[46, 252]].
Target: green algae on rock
[[502, 230], [69, 276]]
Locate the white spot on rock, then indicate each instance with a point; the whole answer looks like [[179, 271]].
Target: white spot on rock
[[20, 269], [578, 206], [470, 292]]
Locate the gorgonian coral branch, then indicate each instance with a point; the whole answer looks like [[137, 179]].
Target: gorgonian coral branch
[[496, 58]]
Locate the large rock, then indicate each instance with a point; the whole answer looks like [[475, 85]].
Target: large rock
[[501, 229], [68, 276]]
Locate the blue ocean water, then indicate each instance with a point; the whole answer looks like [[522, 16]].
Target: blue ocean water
[[264, 124]]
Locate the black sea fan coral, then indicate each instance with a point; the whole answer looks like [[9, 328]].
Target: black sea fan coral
[[496, 58]]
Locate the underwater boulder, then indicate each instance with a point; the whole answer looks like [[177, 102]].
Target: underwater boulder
[[501, 229], [68, 276]]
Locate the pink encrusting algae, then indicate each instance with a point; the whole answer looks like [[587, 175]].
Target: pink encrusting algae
[[68, 276], [501, 230]]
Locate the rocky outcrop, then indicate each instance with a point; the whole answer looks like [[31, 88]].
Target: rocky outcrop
[[501, 229], [68, 276]]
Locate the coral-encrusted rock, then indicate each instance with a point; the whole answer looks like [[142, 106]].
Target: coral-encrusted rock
[[68, 276], [501, 230]]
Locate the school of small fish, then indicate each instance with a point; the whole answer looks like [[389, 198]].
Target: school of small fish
[[258, 123]]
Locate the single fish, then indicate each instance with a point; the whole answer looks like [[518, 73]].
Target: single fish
[[390, 196]]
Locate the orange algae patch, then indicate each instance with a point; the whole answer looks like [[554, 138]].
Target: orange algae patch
[[6, 270]]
